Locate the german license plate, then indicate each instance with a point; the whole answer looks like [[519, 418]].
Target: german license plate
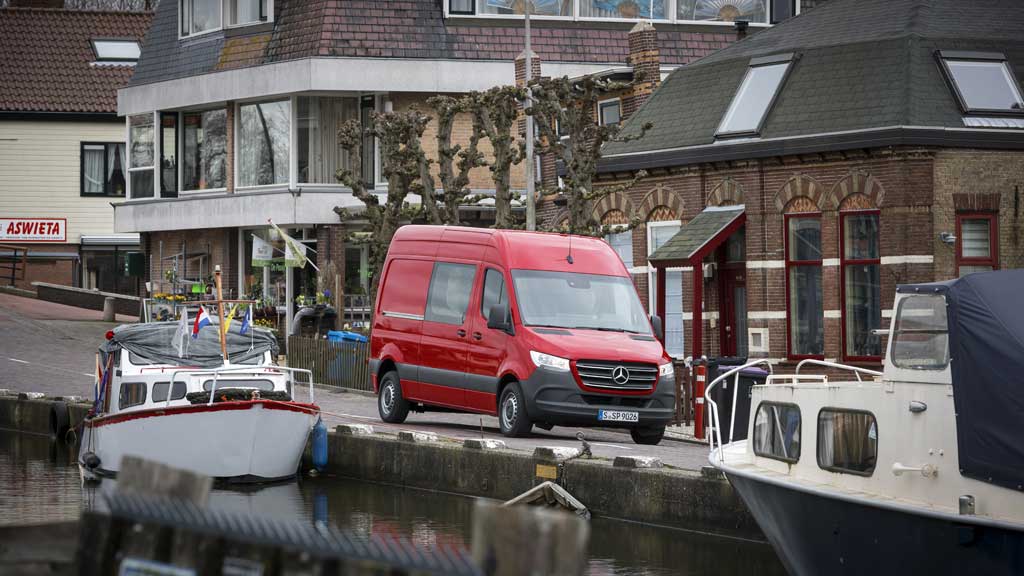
[[618, 416]]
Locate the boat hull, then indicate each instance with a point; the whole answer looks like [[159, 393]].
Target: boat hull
[[815, 534], [239, 441]]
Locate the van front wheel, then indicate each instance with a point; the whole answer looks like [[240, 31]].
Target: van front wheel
[[393, 408], [647, 436], [512, 417]]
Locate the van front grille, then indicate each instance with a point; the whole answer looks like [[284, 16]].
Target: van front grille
[[617, 375]]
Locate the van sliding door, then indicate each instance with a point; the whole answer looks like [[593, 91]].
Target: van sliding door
[[444, 346]]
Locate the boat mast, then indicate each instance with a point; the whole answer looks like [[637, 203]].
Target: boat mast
[[220, 315]]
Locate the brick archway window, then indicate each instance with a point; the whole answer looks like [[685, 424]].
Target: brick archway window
[[621, 242], [805, 309], [860, 279]]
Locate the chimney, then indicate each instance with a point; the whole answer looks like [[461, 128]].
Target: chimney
[[521, 79], [37, 4], [646, 63]]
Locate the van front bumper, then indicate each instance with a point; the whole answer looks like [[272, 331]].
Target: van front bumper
[[555, 398]]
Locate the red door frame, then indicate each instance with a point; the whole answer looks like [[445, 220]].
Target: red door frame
[[732, 275]]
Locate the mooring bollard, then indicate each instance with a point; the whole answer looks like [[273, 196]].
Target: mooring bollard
[[108, 309]]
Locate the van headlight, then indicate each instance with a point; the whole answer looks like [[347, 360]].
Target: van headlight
[[543, 360], [666, 370]]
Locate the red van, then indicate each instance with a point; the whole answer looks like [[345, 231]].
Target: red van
[[534, 328]]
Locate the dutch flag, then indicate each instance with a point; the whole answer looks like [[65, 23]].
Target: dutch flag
[[202, 319]]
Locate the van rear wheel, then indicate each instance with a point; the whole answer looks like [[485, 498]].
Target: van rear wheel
[[512, 417], [647, 436], [393, 408]]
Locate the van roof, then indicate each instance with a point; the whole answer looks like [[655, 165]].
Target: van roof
[[520, 249]]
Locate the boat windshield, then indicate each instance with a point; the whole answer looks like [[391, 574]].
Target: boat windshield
[[920, 340], [582, 301]]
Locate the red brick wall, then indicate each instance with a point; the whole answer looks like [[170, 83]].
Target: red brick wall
[[52, 270], [899, 182], [221, 245]]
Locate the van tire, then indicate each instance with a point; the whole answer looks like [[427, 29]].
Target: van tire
[[647, 436], [513, 420], [391, 405]]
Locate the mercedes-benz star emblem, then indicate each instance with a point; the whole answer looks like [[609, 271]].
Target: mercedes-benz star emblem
[[620, 375]]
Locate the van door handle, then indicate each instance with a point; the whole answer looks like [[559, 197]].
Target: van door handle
[[461, 333], [478, 336]]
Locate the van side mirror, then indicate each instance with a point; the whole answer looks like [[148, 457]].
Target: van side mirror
[[500, 318], [659, 329]]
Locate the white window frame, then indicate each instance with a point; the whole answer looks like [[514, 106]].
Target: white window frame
[[181, 155], [226, 11], [293, 159], [600, 108], [129, 193], [671, 10], [181, 20], [652, 278]]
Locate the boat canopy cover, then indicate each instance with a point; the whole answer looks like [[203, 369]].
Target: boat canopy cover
[[154, 341], [986, 345]]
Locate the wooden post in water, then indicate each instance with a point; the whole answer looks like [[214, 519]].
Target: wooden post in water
[[514, 540], [220, 314]]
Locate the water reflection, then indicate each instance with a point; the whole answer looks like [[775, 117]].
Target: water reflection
[[39, 482]]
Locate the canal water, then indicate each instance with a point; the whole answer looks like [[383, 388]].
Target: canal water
[[39, 482]]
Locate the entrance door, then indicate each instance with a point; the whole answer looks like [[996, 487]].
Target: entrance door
[[734, 312]]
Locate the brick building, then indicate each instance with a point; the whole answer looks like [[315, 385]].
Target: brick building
[[62, 145], [798, 175], [234, 105]]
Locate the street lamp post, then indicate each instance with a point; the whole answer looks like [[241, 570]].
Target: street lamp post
[[531, 209]]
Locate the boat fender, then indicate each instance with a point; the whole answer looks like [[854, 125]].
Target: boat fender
[[91, 460], [60, 420], [319, 445]]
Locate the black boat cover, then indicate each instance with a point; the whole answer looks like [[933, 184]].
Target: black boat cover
[[154, 341], [985, 312]]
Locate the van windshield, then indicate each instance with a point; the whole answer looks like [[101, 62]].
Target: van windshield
[[583, 301]]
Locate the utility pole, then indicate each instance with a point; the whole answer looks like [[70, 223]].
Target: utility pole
[[531, 209]]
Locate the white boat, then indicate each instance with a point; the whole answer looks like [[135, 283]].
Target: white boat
[[236, 420], [918, 469]]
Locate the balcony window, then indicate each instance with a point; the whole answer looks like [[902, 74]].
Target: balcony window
[[103, 169], [723, 10], [753, 99], [169, 154], [140, 145], [198, 16], [320, 155], [264, 143], [204, 150], [983, 82], [241, 12], [515, 7], [976, 243], [624, 9]]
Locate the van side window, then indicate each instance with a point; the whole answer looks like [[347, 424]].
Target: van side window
[[132, 394], [777, 431], [401, 293], [450, 288], [494, 292], [847, 441]]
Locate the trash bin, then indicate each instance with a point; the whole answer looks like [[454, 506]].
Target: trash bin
[[724, 390], [346, 344]]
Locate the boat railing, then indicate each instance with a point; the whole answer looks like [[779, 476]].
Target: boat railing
[[794, 379], [857, 370], [714, 423], [216, 372]]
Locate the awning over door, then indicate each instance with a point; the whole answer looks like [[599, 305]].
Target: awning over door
[[698, 237], [695, 240]]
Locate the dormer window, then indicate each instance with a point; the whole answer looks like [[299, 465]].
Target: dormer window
[[982, 82], [116, 51], [755, 96]]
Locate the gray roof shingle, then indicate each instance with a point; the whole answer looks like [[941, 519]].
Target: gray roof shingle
[[695, 234], [861, 65]]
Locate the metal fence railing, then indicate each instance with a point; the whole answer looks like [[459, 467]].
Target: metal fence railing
[[335, 364], [13, 263]]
